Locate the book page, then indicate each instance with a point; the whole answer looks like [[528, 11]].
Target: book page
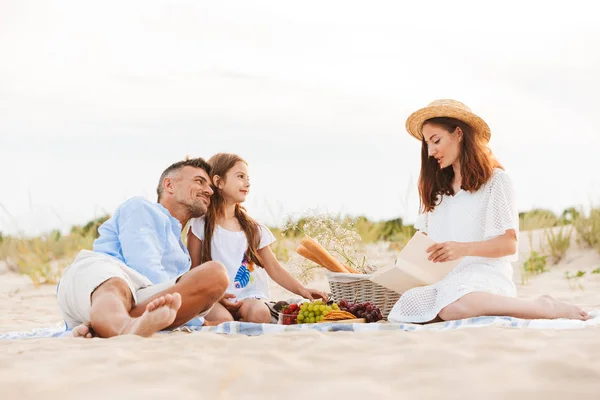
[[396, 279], [412, 268], [413, 258]]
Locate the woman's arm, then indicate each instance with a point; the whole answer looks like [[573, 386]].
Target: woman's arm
[[194, 246], [284, 278], [501, 246]]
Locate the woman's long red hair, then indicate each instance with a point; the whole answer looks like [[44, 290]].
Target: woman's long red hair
[[477, 164]]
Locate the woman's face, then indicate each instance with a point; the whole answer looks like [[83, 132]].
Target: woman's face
[[441, 144]]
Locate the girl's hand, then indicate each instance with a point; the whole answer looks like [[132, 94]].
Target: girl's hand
[[447, 251], [231, 306], [311, 294]]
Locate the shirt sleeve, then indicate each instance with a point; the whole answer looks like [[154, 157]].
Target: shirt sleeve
[[197, 227], [266, 237], [421, 223], [142, 235], [501, 214]]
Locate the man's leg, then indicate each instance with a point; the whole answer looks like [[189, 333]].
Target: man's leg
[[200, 289], [109, 314]]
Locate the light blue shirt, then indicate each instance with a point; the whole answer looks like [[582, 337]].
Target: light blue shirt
[[147, 238]]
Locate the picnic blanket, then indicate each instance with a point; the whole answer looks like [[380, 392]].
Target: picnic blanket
[[251, 329]]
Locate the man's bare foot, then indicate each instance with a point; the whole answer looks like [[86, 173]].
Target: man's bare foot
[[559, 309], [159, 314], [83, 331]]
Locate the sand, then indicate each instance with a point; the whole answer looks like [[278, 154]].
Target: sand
[[489, 362]]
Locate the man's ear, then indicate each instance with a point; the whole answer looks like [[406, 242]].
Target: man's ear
[[168, 185]]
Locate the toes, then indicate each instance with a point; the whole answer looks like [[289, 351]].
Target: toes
[[176, 301], [156, 303]]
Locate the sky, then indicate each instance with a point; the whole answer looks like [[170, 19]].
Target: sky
[[98, 98]]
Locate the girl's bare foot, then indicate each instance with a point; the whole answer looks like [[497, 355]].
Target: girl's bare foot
[[559, 309], [159, 314], [83, 331]]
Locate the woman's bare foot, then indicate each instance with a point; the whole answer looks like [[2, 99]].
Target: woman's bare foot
[[83, 331], [559, 309], [159, 314]]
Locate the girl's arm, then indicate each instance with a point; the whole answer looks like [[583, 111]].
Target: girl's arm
[[194, 246], [284, 278], [501, 246]]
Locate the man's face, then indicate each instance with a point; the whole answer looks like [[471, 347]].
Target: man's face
[[192, 190]]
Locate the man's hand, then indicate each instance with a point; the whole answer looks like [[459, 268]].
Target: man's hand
[[231, 306], [447, 251], [311, 294]]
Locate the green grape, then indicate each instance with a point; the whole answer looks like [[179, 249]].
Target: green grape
[[311, 320], [303, 307], [319, 318], [326, 312], [335, 306], [300, 317], [311, 307], [322, 308], [328, 308], [307, 313], [311, 315]]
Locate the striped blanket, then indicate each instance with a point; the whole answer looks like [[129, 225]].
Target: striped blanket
[[251, 329]]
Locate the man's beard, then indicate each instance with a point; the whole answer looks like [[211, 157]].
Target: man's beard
[[197, 209]]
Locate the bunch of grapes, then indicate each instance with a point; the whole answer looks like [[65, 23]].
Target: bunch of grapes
[[367, 310], [315, 311]]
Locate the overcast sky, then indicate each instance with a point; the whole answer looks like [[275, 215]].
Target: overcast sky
[[97, 98]]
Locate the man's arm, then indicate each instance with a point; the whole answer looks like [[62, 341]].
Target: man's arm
[[142, 233]]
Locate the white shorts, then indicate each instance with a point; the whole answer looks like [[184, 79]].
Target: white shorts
[[88, 271]]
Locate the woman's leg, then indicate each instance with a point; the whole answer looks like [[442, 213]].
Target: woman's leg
[[480, 303], [217, 315], [253, 310]]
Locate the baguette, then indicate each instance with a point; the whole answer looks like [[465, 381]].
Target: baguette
[[350, 269], [326, 259], [304, 252]]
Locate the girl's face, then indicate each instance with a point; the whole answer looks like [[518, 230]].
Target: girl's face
[[442, 145], [236, 185]]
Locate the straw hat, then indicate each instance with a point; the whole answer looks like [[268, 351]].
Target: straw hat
[[447, 108]]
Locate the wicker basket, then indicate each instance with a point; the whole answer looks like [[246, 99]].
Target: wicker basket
[[358, 288]]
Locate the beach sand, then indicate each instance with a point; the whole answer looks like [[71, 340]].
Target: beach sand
[[488, 363]]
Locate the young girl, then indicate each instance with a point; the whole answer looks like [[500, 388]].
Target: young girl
[[468, 207], [229, 235]]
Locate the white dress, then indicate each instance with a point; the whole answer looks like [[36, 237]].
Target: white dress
[[246, 280], [465, 217]]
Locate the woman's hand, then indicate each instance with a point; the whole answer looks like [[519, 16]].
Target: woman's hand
[[311, 294], [231, 306], [447, 251]]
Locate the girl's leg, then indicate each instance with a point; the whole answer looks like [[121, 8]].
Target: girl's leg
[[253, 310], [480, 304], [217, 315]]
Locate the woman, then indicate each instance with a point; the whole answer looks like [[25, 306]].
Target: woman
[[468, 207]]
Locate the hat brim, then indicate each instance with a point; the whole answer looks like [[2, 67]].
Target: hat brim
[[414, 123]]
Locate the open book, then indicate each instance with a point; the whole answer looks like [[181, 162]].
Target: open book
[[412, 268]]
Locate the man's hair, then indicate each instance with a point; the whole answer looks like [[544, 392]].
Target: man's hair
[[175, 167]]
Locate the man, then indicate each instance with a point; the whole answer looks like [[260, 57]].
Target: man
[[137, 280]]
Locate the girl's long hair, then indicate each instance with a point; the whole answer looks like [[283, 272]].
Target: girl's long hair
[[220, 164], [477, 164]]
